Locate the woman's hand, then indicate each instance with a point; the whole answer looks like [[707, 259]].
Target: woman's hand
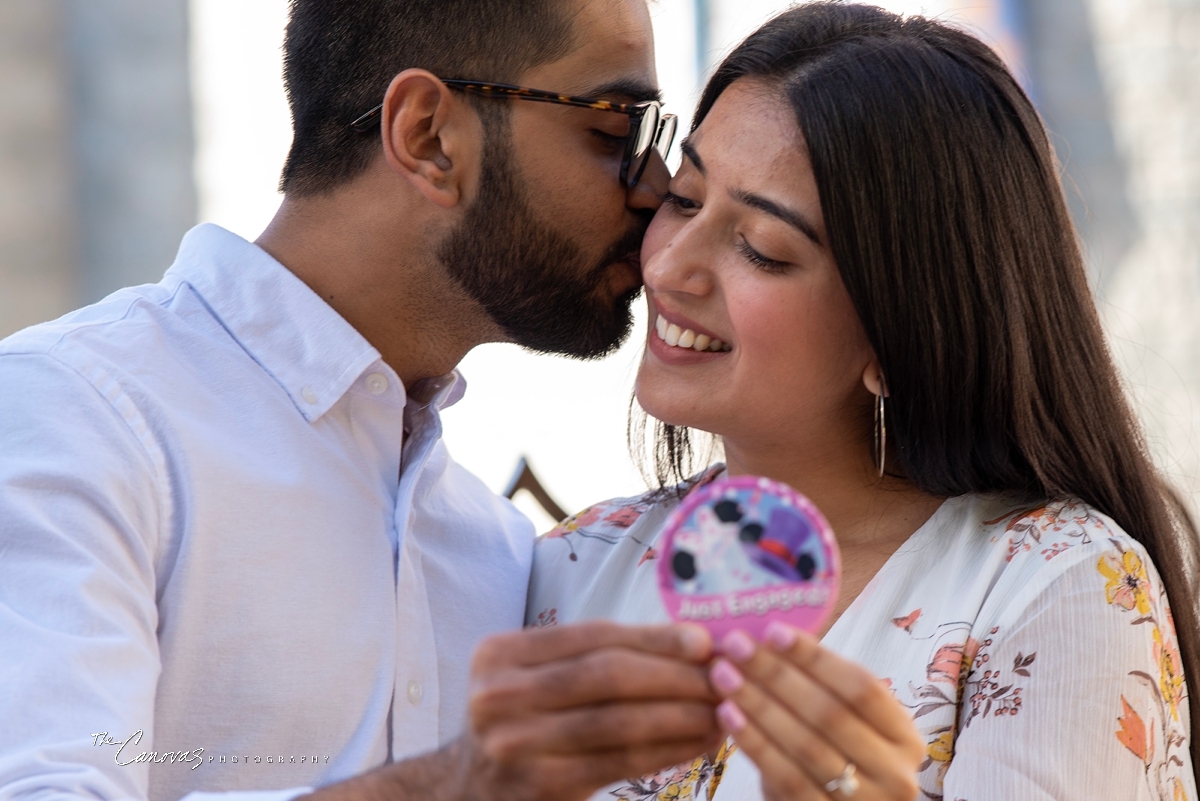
[[816, 725]]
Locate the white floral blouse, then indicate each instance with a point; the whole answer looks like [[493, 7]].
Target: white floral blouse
[[1033, 646]]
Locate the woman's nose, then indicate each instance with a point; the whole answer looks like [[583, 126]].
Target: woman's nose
[[681, 263]]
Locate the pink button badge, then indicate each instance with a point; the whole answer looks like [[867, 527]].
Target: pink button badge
[[741, 552]]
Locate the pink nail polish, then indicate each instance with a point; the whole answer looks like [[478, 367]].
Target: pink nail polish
[[726, 678], [730, 717], [781, 637], [738, 646]]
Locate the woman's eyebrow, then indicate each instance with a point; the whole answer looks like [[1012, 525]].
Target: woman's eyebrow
[[789, 216]]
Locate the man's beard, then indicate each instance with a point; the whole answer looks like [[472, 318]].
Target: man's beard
[[535, 283]]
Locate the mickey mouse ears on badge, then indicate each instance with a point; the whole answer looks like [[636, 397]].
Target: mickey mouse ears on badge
[[741, 552]]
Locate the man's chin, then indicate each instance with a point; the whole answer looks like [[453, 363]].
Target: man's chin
[[606, 330], [619, 324]]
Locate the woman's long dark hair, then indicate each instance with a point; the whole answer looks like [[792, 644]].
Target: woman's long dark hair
[[948, 224]]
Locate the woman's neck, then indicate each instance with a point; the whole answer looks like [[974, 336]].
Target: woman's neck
[[863, 509], [871, 516]]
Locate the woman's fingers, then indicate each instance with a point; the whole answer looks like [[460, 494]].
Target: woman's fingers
[[783, 779], [851, 683], [806, 749], [800, 697], [814, 725]]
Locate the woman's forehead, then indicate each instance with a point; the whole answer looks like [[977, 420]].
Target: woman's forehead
[[750, 144], [750, 123]]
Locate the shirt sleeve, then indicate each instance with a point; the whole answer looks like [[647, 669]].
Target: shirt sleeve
[[1078, 693], [78, 522], [82, 508]]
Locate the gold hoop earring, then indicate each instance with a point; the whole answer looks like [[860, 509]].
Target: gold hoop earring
[[880, 433]]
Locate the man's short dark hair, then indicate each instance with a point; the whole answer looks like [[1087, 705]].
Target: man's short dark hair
[[340, 56]]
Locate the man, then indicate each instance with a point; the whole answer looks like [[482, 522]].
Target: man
[[234, 554]]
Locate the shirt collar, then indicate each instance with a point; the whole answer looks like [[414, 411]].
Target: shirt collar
[[440, 393], [297, 338]]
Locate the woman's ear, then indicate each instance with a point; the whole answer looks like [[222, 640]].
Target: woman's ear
[[427, 137], [873, 379]]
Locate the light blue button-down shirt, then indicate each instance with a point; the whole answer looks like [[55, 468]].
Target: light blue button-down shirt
[[213, 532]]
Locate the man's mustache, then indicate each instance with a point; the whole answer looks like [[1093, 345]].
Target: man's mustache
[[627, 247]]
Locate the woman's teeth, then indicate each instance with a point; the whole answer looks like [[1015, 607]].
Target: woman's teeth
[[678, 337]]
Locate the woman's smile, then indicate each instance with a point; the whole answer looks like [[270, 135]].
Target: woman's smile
[[684, 334], [676, 340]]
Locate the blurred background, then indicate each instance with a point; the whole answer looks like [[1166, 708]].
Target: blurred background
[[125, 122]]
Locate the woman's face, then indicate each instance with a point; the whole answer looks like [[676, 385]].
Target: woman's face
[[738, 255]]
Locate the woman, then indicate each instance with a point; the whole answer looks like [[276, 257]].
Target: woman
[[865, 282]]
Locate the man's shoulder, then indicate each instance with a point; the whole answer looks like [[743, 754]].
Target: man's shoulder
[[65, 384], [463, 494], [108, 369], [131, 318]]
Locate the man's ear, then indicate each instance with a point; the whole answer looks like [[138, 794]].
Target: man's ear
[[427, 136]]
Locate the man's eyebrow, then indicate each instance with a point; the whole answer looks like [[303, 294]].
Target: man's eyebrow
[[689, 150], [789, 216], [626, 90]]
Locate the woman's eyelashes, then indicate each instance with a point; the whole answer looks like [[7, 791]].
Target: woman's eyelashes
[[759, 260], [689, 207], [681, 203]]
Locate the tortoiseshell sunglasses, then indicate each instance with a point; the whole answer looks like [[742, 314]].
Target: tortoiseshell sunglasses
[[648, 126]]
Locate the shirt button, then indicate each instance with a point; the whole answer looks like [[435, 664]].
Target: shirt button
[[308, 395], [414, 693], [377, 383]]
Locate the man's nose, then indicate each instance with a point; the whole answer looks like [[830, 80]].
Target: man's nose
[[649, 191]]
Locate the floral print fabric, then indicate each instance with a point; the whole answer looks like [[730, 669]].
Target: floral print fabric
[[1034, 648], [695, 781]]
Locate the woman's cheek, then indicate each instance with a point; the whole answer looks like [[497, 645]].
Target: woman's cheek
[[658, 236], [764, 323]]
